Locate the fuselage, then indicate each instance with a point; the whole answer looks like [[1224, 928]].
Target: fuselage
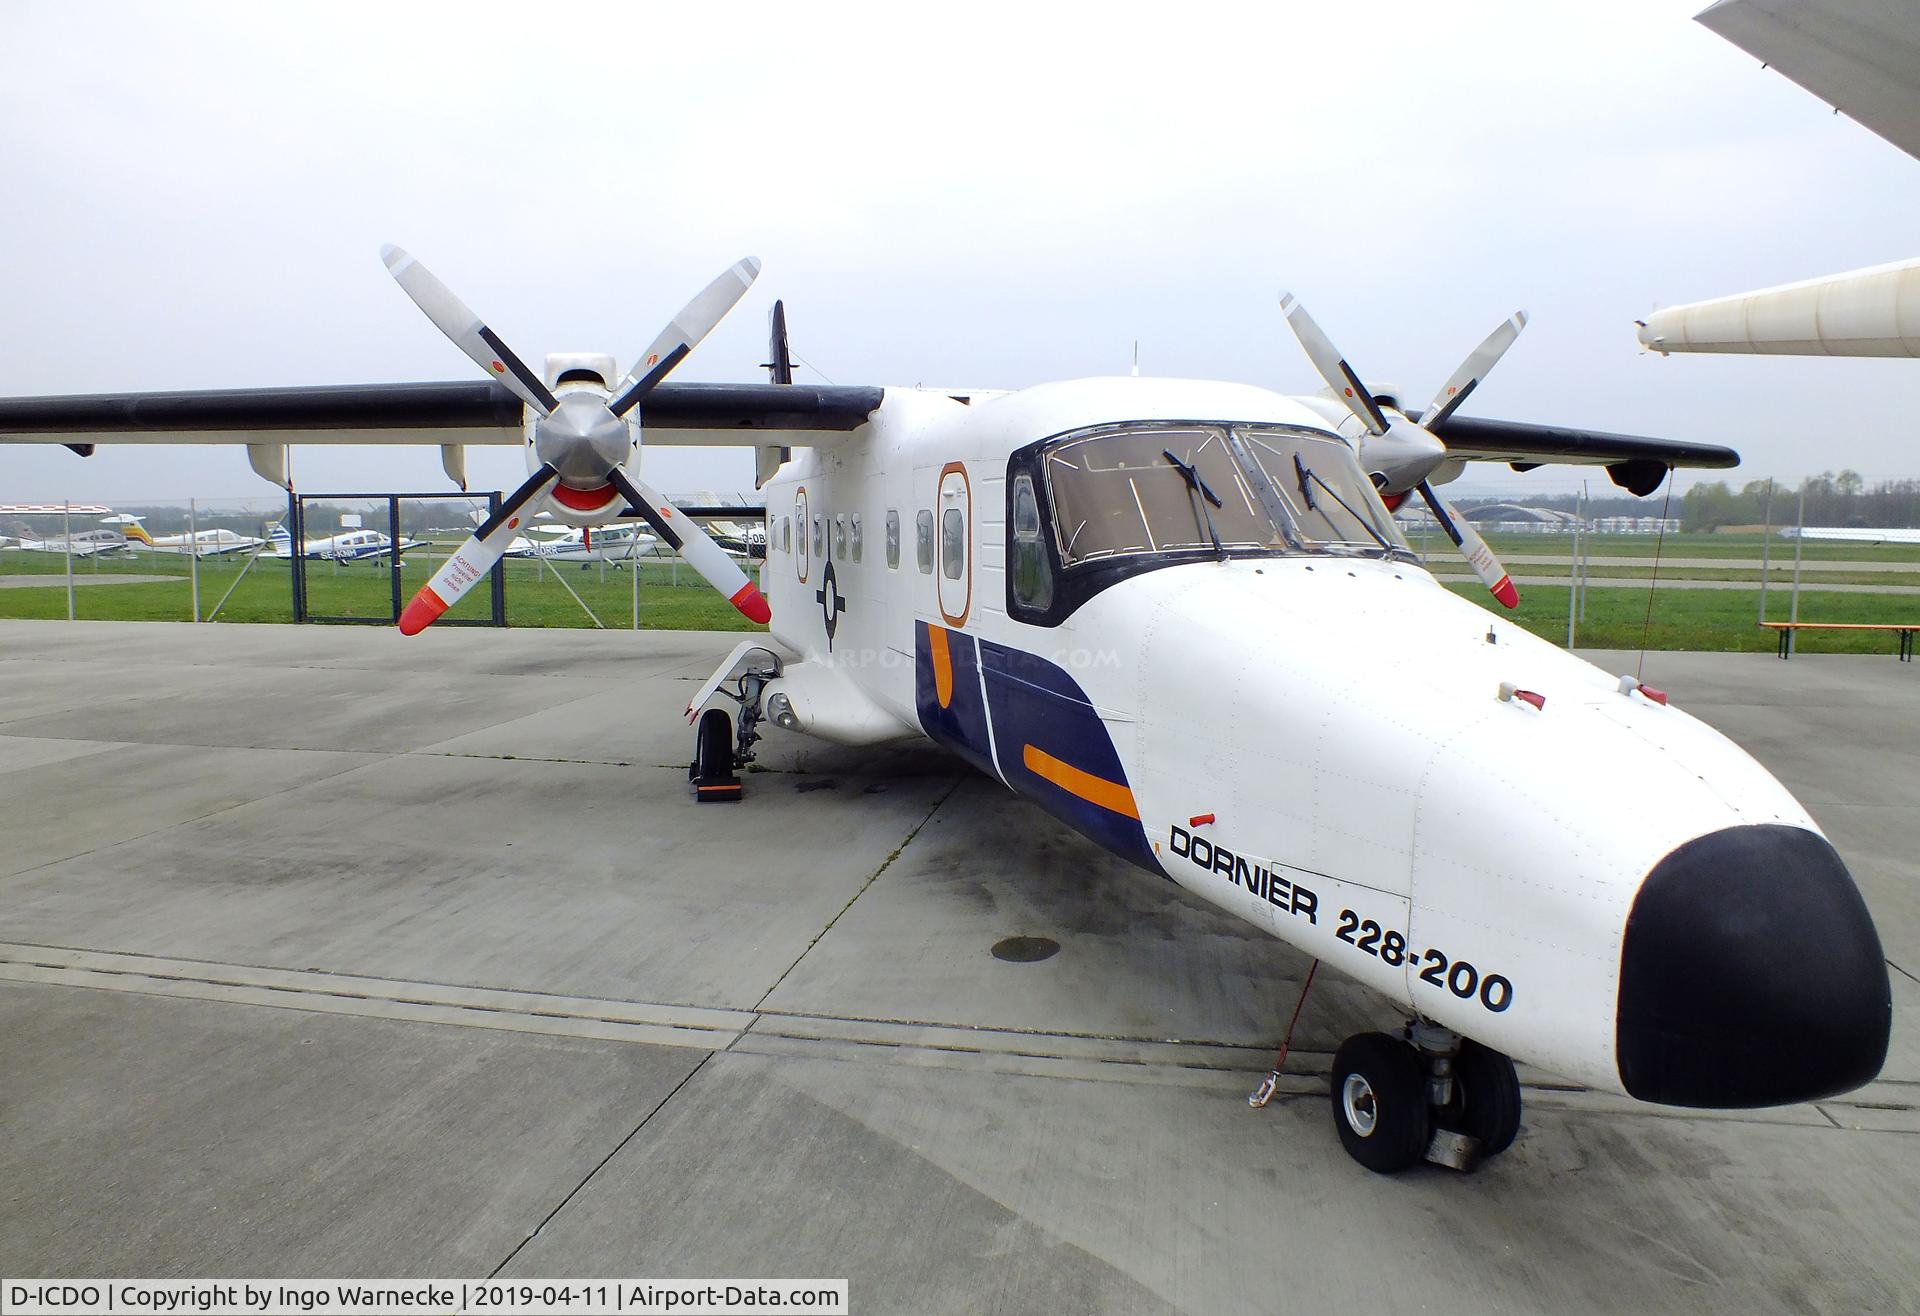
[[1318, 737]]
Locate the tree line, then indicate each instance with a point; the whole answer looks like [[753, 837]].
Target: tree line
[[1842, 499]]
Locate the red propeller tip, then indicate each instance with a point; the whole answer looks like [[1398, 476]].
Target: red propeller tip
[[1504, 591], [751, 604], [422, 612]]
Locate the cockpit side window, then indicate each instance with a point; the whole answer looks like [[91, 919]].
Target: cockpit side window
[[1032, 567]]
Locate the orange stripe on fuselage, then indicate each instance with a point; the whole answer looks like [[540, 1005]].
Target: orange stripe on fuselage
[[1109, 795], [942, 665]]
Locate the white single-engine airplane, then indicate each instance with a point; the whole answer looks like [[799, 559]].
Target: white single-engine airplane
[[1178, 616], [347, 546], [201, 543]]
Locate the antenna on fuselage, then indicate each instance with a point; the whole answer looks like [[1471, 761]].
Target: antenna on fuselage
[[1136, 358]]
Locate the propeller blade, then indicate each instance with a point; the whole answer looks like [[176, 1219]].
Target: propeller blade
[[475, 558], [1332, 366], [1473, 370], [453, 318], [681, 534], [695, 321], [1472, 547]]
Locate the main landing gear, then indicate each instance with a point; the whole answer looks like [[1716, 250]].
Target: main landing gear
[[1429, 1095]]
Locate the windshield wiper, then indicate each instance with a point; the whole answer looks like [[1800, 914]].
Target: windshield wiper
[[1306, 473], [1197, 490]]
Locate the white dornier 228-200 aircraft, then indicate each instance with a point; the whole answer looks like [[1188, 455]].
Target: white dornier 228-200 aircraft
[[1178, 616]]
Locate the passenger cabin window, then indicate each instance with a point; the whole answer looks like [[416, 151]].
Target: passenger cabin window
[[953, 543], [840, 537], [853, 533], [923, 534], [1032, 571], [893, 540], [819, 538], [786, 534]]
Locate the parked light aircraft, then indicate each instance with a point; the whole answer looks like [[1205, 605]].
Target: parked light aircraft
[[81, 543], [202, 543], [585, 544], [347, 546], [1178, 616]]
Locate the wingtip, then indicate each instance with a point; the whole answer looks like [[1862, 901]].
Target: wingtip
[[393, 257], [1504, 590]]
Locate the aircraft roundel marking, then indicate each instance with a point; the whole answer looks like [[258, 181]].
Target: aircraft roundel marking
[[833, 604], [942, 665]]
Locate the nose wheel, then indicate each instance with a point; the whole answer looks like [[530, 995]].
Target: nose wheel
[[712, 771], [1429, 1096]]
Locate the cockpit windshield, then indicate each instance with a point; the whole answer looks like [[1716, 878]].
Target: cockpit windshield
[[1226, 489]]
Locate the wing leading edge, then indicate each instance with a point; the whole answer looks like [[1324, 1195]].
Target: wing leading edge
[[482, 412], [1636, 464]]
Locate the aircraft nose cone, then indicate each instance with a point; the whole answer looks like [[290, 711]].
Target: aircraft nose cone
[[1751, 975]]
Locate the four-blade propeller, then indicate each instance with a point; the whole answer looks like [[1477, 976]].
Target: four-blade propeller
[[580, 440], [1399, 453]]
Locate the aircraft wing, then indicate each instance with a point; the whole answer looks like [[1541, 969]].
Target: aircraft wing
[[1858, 56], [1634, 463], [482, 412]]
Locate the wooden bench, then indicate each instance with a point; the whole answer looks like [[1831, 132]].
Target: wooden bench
[[1785, 630]]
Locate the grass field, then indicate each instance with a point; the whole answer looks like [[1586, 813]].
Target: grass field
[[360, 590], [1681, 619]]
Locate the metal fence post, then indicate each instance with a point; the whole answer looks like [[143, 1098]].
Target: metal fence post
[[499, 569], [297, 555], [66, 520], [393, 544], [1766, 542], [193, 556], [1799, 538]]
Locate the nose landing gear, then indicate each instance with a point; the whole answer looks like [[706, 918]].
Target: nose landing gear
[[1428, 1095]]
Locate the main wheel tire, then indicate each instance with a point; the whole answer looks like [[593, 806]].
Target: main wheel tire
[[713, 763], [1380, 1102], [1486, 1101]]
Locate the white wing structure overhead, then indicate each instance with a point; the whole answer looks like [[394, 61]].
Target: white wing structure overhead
[[1860, 56], [1863, 58]]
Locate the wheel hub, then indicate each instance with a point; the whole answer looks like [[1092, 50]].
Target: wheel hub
[[1361, 1106]]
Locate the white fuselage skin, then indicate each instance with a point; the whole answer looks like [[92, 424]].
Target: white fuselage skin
[[1338, 718]]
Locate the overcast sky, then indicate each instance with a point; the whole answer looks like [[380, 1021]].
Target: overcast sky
[[966, 195]]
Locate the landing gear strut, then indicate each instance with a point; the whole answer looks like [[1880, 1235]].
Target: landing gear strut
[[1429, 1094]]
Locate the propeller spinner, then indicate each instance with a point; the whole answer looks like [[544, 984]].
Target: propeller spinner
[[1400, 453], [581, 441]]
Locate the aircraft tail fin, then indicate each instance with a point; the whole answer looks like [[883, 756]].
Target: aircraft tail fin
[[137, 534]]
